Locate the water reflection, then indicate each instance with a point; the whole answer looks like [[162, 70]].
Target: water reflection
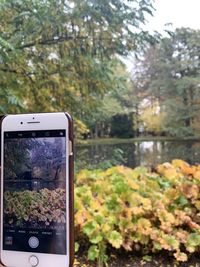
[[146, 153]]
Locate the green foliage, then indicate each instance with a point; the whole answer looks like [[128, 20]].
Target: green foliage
[[115, 239], [125, 208], [168, 75], [152, 119], [122, 125], [93, 253], [63, 55], [193, 242], [80, 129]]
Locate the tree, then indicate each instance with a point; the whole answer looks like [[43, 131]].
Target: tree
[[122, 126], [169, 73], [99, 117], [56, 54], [152, 118]]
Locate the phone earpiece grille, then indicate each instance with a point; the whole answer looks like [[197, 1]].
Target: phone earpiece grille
[[33, 122]]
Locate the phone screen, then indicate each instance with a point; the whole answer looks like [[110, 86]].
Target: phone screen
[[34, 199]]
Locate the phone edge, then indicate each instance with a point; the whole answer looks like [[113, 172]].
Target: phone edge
[[2, 117], [71, 191], [71, 186]]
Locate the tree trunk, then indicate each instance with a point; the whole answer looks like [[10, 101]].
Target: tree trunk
[[187, 120], [96, 131]]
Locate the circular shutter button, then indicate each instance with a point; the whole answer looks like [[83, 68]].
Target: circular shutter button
[[33, 260], [33, 242]]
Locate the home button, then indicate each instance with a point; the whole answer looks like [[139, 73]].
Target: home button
[[33, 260]]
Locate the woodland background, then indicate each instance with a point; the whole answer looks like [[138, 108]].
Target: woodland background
[[68, 55]]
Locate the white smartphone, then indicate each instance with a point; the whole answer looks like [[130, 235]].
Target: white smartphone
[[37, 190]]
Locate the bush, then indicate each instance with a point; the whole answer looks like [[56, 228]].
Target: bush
[[35, 209], [122, 126], [139, 209]]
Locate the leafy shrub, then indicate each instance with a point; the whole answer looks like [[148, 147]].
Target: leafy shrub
[[139, 209], [32, 207]]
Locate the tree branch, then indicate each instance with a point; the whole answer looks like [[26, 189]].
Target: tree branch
[[16, 72], [27, 74], [8, 70], [52, 41]]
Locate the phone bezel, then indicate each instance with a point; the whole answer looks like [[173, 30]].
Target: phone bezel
[[47, 121]]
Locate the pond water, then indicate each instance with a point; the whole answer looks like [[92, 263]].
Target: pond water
[[145, 153]]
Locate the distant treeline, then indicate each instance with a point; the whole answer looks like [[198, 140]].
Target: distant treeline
[[163, 95]]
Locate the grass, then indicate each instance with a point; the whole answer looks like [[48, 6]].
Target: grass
[[112, 141]]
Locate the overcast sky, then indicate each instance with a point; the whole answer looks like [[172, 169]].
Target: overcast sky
[[181, 13]]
